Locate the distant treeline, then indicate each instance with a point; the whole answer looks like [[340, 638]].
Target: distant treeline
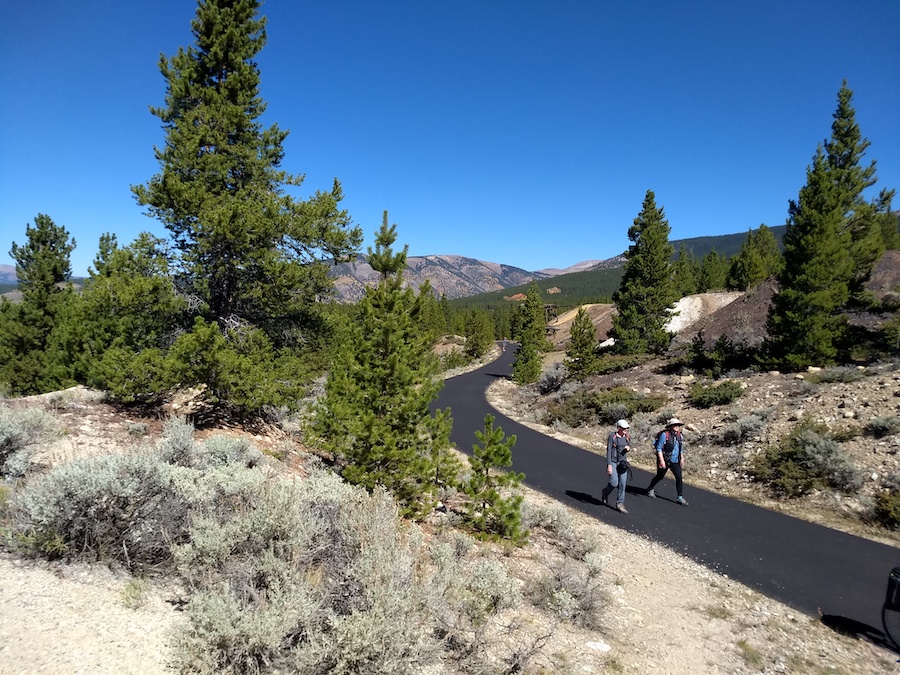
[[726, 245], [577, 288]]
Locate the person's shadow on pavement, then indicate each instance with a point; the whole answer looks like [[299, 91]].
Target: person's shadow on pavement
[[584, 498]]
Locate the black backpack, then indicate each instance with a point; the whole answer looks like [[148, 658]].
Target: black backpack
[[668, 446]]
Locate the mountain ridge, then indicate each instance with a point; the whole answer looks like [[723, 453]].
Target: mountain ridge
[[458, 276]]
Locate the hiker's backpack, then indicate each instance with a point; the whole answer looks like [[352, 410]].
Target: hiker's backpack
[[668, 446]]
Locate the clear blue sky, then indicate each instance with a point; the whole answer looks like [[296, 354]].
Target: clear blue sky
[[516, 131]]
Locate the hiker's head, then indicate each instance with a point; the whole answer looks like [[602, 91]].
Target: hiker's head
[[674, 423], [622, 425]]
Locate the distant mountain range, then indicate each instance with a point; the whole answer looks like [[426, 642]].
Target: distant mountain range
[[457, 276], [8, 274]]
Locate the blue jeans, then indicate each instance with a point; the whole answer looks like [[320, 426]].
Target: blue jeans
[[616, 480]]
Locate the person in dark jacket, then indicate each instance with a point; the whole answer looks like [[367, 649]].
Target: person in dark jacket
[[669, 457], [617, 446]]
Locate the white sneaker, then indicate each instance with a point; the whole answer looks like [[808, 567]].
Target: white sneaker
[[651, 494]]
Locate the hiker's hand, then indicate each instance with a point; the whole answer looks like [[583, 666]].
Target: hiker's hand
[[609, 469], [662, 464]]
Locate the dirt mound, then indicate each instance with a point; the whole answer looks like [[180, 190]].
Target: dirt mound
[[689, 311], [559, 329], [693, 308], [743, 320]]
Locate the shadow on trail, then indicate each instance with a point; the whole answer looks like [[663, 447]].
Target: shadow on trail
[[858, 630], [584, 498]]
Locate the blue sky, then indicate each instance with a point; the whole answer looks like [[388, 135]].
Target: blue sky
[[519, 132]]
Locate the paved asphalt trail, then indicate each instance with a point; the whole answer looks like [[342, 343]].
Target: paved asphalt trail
[[817, 570]]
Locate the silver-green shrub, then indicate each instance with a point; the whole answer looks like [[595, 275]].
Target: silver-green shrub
[[573, 591], [133, 507], [220, 450], [20, 432], [808, 458], [115, 507], [884, 425], [177, 446], [837, 374], [315, 576], [556, 520], [552, 378], [741, 429]]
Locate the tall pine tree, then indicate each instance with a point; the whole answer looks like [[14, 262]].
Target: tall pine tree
[[646, 294], [805, 322], [247, 254], [532, 341], [375, 413], [581, 353], [862, 219], [833, 239]]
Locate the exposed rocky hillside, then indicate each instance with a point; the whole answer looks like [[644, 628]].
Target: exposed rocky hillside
[[739, 316], [451, 275]]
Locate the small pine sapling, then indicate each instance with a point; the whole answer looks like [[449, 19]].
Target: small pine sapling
[[494, 510]]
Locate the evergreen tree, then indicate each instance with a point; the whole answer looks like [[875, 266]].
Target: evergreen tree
[[375, 413], [532, 341], [432, 312], [479, 333], [833, 239], [128, 312], [493, 511], [863, 220], [685, 272], [448, 314], [646, 294], [890, 221], [805, 324], [758, 259], [247, 254], [502, 317], [713, 272], [581, 354], [43, 267]]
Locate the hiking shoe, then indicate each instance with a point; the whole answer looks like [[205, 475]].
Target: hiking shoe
[[651, 494], [681, 500], [604, 499], [621, 508]]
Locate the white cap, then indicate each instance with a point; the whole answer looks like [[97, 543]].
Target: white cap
[[622, 424]]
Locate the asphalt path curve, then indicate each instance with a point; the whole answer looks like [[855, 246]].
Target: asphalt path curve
[[839, 577]]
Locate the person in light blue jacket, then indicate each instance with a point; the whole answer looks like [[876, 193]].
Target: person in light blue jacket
[[669, 448]]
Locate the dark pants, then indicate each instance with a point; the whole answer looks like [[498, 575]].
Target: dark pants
[[676, 471]]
